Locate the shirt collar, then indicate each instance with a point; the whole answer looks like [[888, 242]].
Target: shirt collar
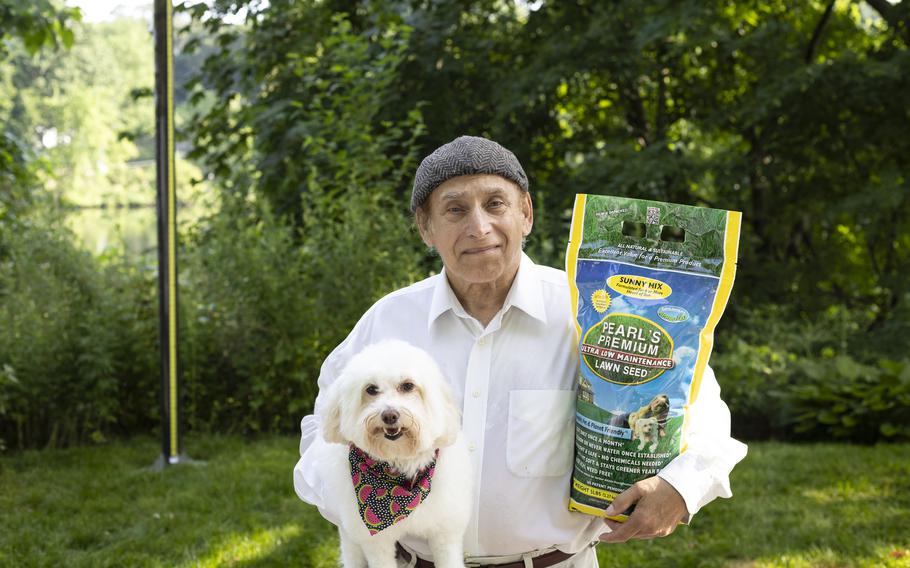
[[526, 294]]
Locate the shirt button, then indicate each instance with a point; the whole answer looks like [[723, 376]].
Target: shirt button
[[476, 394], [482, 341], [472, 446]]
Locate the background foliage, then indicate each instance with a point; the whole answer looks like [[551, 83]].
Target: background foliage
[[307, 121]]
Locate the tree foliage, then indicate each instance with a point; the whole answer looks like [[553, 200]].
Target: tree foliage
[[310, 117], [33, 25], [74, 106], [794, 114], [38, 23], [309, 233]]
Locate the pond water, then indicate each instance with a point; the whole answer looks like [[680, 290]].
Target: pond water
[[133, 227], [99, 229], [133, 230]]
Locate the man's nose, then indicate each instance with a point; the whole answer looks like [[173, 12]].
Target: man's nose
[[389, 416], [479, 223]]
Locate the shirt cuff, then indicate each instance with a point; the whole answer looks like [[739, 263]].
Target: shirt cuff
[[696, 478]]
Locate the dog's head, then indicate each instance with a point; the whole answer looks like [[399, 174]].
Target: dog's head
[[647, 426], [392, 401], [660, 404]]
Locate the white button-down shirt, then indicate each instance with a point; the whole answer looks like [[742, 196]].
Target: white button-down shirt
[[515, 381]]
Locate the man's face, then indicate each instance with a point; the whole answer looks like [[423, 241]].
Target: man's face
[[477, 223]]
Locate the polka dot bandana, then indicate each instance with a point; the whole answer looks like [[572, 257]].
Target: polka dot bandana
[[385, 496]]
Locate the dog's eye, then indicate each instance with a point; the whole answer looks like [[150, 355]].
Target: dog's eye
[[372, 390], [406, 386]]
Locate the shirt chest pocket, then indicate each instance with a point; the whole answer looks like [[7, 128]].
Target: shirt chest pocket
[[541, 432]]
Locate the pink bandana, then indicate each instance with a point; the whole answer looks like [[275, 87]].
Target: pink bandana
[[384, 496]]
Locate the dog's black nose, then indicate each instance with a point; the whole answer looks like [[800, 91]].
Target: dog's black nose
[[390, 417]]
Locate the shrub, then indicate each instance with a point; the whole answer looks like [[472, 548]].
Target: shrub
[[840, 397], [263, 304], [786, 377], [76, 351]]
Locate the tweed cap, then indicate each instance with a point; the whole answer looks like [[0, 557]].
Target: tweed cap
[[466, 155]]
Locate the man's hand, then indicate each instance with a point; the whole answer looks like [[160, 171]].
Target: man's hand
[[658, 510]]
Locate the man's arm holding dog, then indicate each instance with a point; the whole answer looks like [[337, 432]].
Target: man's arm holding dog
[[306, 479], [692, 480]]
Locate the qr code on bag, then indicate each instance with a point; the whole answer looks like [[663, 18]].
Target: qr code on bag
[[653, 215]]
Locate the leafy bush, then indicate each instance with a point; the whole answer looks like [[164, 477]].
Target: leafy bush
[[263, 304], [77, 343], [242, 317], [842, 398], [755, 381], [788, 378]]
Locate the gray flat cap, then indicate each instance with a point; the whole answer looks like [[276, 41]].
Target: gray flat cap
[[465, 155]]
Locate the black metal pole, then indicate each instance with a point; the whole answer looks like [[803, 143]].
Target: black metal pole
[[167, 230]]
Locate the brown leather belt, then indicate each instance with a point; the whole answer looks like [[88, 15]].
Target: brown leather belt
[[542, 561]]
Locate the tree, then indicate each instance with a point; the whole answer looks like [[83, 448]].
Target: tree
[[712, 103], [34, 25], [793, 114]]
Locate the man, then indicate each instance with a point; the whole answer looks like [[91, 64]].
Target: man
[[501, 329]]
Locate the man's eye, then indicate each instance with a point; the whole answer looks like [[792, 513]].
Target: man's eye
[[454, 210], [406, 386], [372, 390], [497, 203]]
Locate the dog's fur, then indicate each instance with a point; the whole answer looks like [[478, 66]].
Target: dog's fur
[[645, 431], [395, 376], [658, 408]]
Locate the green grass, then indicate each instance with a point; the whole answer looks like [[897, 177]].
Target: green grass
[[795, 506], [812, 505]]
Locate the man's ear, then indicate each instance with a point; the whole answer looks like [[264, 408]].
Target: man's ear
[[422, 217], [527, 210]]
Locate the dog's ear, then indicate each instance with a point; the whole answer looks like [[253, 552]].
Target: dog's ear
[[451, 430], [450, 419], [330, 417]]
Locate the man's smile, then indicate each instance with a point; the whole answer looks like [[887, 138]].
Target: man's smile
[[481, 250]]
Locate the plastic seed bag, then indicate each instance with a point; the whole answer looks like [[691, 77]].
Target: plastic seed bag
[[649, 282]]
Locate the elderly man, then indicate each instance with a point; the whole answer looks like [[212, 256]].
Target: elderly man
[[501, 329]]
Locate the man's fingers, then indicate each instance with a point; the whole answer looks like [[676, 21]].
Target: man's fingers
[[624, 500], [614, 525], [621, 532], [658, 508]]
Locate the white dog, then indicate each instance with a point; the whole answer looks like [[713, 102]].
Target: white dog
[[646, 430], [395, 463]]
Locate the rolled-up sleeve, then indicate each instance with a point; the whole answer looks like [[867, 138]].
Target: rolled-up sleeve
[[702, 472]]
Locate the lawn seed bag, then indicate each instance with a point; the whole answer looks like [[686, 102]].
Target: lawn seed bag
[[649, 282]]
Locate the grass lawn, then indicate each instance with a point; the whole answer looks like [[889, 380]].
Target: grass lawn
[[795, 505]]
